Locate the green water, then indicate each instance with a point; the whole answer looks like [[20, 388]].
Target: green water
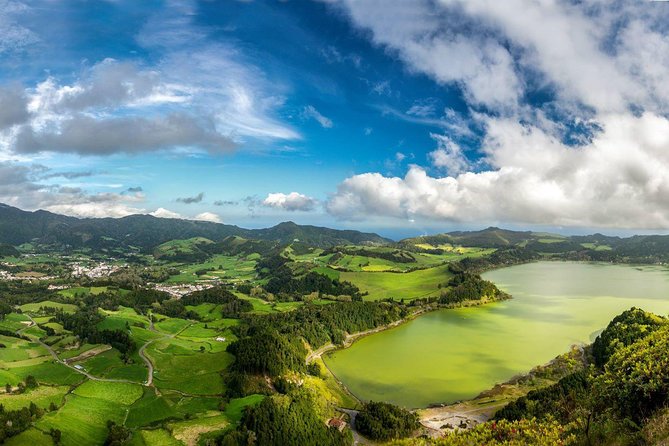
[[450, 355]]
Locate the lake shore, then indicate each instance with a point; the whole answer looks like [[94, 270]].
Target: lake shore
[[439, 421]]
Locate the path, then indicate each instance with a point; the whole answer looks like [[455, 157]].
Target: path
[[357, 438], [144, 356], [147, 383]]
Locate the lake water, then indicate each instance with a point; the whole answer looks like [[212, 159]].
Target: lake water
[[449, 355]]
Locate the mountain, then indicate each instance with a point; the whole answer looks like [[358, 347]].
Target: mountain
[[146, 232], [491, 237]]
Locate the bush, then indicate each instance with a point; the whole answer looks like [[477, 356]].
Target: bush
[[384, 421]]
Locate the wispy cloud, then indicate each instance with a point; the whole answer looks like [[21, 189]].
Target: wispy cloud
[[310, 112]]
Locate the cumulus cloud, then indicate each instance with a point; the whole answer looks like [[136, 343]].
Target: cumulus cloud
[[414, 31], [448, 155], [165, 213], [89, 136], [293, 201], [201, 95], [190, 200], [20, 186], [620, 179], [594, 153], [13, 106], [310, 112], [208, 216]]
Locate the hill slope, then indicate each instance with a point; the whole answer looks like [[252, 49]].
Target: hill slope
[[145, 231]]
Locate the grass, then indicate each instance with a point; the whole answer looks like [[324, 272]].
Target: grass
[[411, 285], [46, 372], [13, 322], [82, 291], [149, 409], [230, 268], [109, 365], [35, 307], [118, 319], [206, 311], [83, 417], [157, 437], [340, 395], [83, 420], [172, 356], [596, 246], [263, 307], [42, 396], [32, 436], [16, 349], [118, 393], [189, 431], [186, 246], [235, 408], [171, 325]]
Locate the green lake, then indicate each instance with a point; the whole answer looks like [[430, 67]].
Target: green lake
[[450, 355]]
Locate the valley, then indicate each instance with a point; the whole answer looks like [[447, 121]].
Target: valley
[[205, 340]]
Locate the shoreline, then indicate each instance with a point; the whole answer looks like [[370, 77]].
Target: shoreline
[[439, 420], [353, 337]]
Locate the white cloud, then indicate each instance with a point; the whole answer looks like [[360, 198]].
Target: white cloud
[[165, 213], [94, 210], [200, 95], [413, 30], [448, 155], [208, 216], [293, 201], [14, 36], [602, 68], [310, 112], [620, 179]]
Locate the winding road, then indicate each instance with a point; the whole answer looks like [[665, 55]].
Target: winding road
[[142, 354]]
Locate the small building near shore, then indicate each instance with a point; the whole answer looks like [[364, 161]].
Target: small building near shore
[[337, 423]]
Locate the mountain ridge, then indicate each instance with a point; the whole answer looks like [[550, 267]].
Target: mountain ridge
[[146, 231]]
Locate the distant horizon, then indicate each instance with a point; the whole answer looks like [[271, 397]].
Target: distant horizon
[[398, 235]]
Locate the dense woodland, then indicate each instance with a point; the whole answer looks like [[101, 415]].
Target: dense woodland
[[622, 397], [383, 421]]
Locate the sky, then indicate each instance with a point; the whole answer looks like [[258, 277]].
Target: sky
[[395, 116]]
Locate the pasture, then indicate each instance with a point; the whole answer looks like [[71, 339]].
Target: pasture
[[408, 286]]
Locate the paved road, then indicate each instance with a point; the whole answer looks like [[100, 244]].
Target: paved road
[[357, 438], [145, 358], [82, 372]]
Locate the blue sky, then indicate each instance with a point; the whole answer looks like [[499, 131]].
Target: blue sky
[[393, 116]]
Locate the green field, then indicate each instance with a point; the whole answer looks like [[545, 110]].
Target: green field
[[43, 396], [230, 268], [35, 307], [82, 291], [203, 357], [411, 285]]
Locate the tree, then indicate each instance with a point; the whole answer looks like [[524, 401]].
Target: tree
[[55, 435], [31, 382], [384, 421], [117, 435]]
